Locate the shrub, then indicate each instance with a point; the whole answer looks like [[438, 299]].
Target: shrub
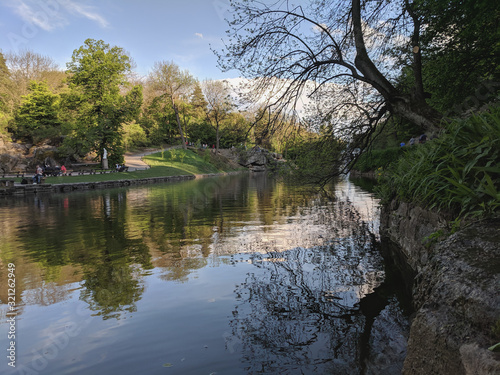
[[459, 172], [375, 159]]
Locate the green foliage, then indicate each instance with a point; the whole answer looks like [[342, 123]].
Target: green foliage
[[202, 131], [134, 136], [234, 130], [5, 92], [317, 160], [97, 74], [158, 121], [373, 160], [459, 172], [37, 117], [460, 47]]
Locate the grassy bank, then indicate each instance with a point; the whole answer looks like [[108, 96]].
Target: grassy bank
[[175, 162]]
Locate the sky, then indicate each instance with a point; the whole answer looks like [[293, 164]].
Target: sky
[[182, 31]]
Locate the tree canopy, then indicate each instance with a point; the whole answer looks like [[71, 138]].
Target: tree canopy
[[173, 83], [352, 55], [97, 74]]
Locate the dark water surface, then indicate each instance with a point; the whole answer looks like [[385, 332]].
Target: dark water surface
[[232, 275]]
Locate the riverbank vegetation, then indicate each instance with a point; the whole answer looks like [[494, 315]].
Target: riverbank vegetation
[[173, 162], [459, 172], [98, 103], [371, 83]]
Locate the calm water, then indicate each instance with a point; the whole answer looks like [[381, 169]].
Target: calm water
[[233, 275]]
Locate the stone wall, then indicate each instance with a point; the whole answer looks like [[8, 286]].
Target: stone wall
[[20, 190], [456, 292]]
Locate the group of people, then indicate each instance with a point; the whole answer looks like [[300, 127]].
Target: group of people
[[120, 168], [42, 172], [422, 139]]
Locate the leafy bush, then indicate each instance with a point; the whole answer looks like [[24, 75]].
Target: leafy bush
[[134, 136], [375, 159], [316, 161], [459, 172]]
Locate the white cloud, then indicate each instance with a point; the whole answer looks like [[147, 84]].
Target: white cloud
[[53, 14], [85, 11], [30, 13], [199, 35]]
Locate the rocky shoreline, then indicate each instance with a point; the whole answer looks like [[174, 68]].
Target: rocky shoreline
[[456, 291]]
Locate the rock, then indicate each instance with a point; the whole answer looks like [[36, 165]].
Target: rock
[[456, 292], [258, 160], [8, 162], [43, 151], [50, 162]]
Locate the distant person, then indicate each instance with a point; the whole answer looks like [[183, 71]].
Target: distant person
[[37, 178], [120, 168], [63, 170], [412, 141], [423, 138]]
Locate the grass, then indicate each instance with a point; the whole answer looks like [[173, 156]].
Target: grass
[[135, 175], [185, 160], [458, 173], [174, 162]]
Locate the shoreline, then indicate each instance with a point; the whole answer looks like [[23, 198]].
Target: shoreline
[[24, 190]]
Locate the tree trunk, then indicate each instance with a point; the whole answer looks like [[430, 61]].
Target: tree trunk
[[177, 118], [217, 140], [413, 108], [417, 112]]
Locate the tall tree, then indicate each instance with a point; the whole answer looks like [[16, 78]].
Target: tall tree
[[97, 77], [5, 92], [175, 84], [198, 101], [217, 95], [335, 44]]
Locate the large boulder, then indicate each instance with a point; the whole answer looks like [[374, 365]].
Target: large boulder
[[455, 291], [258, 160], [8, 163]]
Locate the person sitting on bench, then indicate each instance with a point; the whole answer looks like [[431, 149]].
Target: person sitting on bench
[[37, 178], [120, 168]]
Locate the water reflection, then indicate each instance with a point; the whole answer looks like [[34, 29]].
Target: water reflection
[[294, 281], [304, 313]]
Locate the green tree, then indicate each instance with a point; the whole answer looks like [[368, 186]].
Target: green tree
[[158, 121], [38, 116], [198, 102], [5, 94], [234, 130], [97, 77], [174, 84], [218, 105], [461, 51]]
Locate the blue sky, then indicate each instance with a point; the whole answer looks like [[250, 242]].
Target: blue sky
[[149, 30]]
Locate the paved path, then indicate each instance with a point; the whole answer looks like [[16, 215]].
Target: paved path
[[134, 160]]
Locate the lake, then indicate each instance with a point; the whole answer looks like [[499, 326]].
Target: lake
[[240, 274]]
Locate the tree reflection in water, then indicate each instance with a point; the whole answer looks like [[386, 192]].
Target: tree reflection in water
[[305, 311]]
